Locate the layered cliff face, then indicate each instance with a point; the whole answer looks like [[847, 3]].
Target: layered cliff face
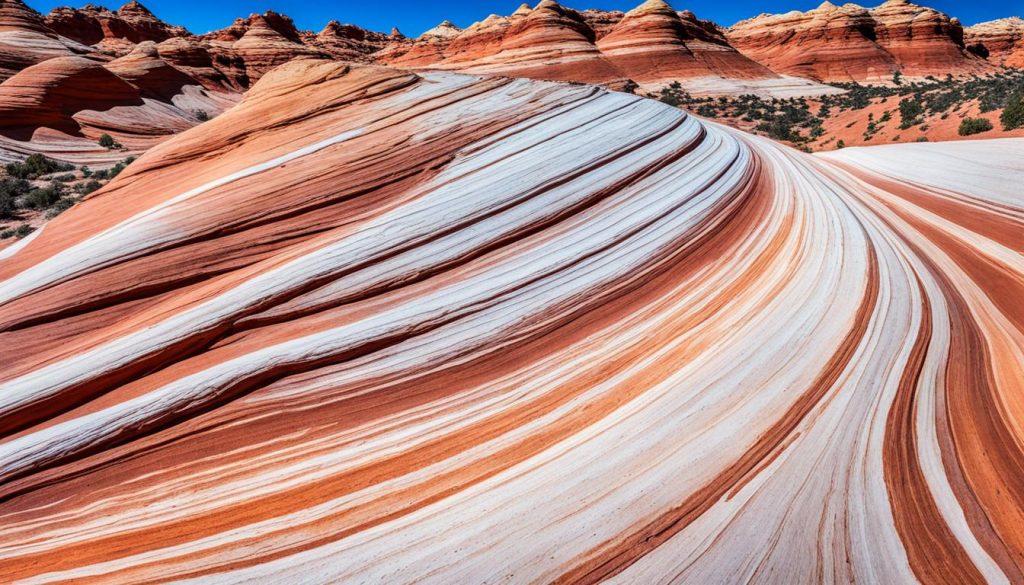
[[550, 42], [924, 41], [652, 44], [270, 40], [94, 25], [851, 43], [372, 326], [26, 40], [348, 42], [1000, 41]]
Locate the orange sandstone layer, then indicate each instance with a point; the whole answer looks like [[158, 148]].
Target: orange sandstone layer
[[851, 43]]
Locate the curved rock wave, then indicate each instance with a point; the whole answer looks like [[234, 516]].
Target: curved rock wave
[[375, 326]]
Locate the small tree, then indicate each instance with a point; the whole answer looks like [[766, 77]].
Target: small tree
[[107, 141], [897, 77], [971, 126], [1013, 115], [840, 144]]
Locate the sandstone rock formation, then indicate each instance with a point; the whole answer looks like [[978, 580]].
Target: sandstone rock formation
[[91, 25], [851, 43], [348, 42], [50, 93], [25, 40], [139, 99], [372, 326], [652, 44], [1000, 41], [270, 40]]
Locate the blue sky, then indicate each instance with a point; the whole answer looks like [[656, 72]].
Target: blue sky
[[413, 17]]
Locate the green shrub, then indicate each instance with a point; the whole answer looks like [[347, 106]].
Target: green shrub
[[35, 166], [10, 191], [910, 112], [23, 230], [971, 126], [707, 111], [6, 234], [1013, 116], [87, 187], [62, 205], [840, 144], [86, 172], [107, 141], [202, 116], [44, 197]]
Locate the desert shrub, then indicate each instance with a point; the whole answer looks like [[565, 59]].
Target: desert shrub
[[63, 204], [23, 230], [707, 111], [841, 144], [1013, 115], [10, 191], [35, 166], [910, 112], [87, 187], [86, 172], [107, 141], [44, 197], [202, 116], [674, 95], [971, 126]]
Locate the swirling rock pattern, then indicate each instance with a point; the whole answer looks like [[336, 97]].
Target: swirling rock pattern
[[371, 326], [25, 40]]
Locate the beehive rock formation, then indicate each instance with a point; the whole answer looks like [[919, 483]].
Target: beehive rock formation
[[1000, 41], [91, 25], [851, 43]]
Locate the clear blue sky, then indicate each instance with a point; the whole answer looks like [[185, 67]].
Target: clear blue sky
[[415, 16]]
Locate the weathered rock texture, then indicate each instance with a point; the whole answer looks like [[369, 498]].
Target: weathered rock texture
[[25, 40], [851, 43], [999, 41], [379, 327], [652, 46], [91, 25]]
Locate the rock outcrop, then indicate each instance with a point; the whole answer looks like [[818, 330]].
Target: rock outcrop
[[270, 40], [1001, 42], [348, 42], [851, 43], [380, 327], [92, 25], [26, 40], [50, 93], [653, 44]]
